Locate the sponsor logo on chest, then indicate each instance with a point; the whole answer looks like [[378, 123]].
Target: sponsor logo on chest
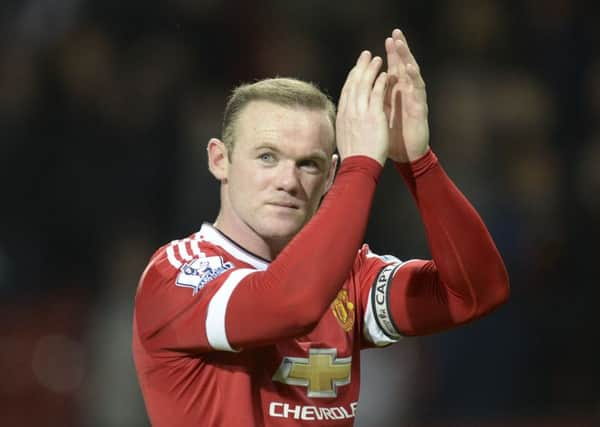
[[321, 373], [312, 413]]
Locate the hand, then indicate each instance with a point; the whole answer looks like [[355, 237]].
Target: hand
[[361, 124], [405, 102]]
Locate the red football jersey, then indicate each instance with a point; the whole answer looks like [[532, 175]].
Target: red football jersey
[[182, 302], [207, 354]]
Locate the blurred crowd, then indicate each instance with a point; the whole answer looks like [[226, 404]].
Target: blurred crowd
[[105, 111]]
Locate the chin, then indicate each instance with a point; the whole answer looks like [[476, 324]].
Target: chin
[[280, 229]]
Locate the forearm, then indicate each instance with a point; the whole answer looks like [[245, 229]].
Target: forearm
[[303, 280], [470, 274]]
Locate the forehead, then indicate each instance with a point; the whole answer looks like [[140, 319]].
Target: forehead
[[264, 121]]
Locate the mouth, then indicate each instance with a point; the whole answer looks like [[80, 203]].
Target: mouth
[[285, 205]]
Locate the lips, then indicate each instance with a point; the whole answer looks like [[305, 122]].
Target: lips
[[285, 204]]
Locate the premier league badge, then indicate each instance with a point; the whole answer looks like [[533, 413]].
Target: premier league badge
[[198, 272]]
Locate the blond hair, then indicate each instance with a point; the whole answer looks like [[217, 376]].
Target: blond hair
[[287, 92]]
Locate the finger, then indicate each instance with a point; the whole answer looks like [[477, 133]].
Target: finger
[[418, 84], [395, 121], [355, 78], [391, 82], [393, 58], [397, 34], [344, 93], [404, 53], [378, 92], [365, 86], [348, 84], [415, 76]]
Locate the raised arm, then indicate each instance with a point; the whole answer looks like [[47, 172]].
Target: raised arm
[[467, 277], [305, 278], [245, 307]]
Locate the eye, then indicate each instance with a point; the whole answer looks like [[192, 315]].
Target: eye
[[267, 157], [310, 165]]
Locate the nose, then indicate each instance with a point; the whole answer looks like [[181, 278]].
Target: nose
[[288, 179]]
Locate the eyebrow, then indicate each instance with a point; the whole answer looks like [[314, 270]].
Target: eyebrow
[[266, 145]]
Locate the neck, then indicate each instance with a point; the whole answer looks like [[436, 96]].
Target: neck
[[249, 239]]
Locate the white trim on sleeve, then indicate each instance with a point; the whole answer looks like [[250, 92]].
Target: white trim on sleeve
[[217, 309]]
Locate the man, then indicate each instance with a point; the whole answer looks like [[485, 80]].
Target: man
[[259, 318]]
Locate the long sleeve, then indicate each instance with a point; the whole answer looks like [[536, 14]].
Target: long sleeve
[[218, 303], [303, 280], [466, 278]]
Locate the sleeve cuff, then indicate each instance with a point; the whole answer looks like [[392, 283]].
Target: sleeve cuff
[[414, 169], [365, 164]]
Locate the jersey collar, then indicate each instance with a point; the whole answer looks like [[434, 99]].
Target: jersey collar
[[210, 234]]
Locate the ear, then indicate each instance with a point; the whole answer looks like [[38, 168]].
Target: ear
[[331, 173], [218, 160]]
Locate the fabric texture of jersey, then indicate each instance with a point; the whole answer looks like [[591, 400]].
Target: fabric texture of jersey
[[313, 378], [224, 338]]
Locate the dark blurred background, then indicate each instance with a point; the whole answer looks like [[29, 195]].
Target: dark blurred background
[[105, 111]]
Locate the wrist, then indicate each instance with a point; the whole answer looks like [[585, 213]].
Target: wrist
[[360, 162], [418, 167], [408, 156], [379, 159]]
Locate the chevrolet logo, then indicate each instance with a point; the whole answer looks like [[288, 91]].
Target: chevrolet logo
[[321, 373]]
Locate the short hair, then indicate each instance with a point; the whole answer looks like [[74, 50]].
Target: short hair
[[287, 92]]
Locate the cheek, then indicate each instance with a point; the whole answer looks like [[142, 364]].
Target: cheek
[[314, 188], [245, 185]]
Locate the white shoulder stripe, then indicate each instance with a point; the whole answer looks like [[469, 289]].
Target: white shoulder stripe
[[171, 256], [196, 248], [178, 252], [217, 309], [183, 250]]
